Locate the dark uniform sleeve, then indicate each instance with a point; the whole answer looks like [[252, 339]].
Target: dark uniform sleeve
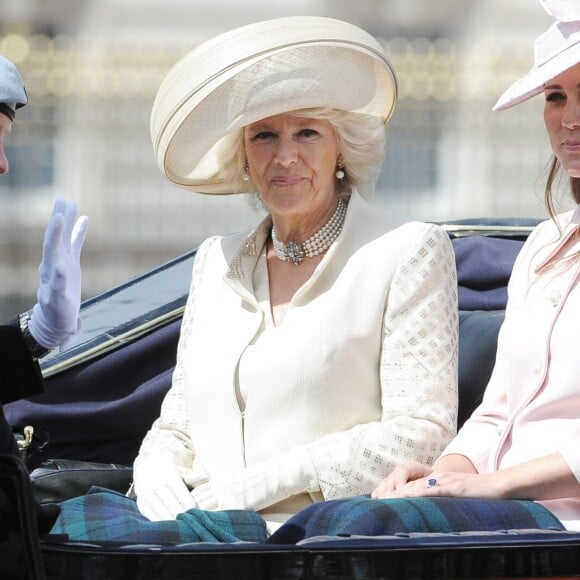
[[20, 375]]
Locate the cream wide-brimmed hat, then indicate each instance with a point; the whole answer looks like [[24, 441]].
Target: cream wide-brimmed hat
[[555, 51], [257, 71]]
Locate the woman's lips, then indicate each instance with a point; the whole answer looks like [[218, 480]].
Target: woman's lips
[[571, 145], [287, 181]]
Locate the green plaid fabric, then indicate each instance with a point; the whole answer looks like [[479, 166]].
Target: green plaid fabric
[[105, 515]]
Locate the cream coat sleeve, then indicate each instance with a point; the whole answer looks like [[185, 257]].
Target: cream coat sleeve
[[168, 440], [418, 377]]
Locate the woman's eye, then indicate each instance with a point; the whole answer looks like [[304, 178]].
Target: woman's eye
[[555, 97], [263, 135], [308, 133]]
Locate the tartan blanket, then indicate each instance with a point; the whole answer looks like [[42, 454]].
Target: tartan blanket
[[364, 516], [105, 515]]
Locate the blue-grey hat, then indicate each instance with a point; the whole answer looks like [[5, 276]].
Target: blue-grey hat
[[12, 92]]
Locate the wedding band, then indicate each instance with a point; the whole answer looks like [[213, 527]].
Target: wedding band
[[432, 482]]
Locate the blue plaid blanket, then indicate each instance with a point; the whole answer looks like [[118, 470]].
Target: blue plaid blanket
[[105, 515], [364, 516]]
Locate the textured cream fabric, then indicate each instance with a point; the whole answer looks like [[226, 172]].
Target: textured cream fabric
[[362, 373]]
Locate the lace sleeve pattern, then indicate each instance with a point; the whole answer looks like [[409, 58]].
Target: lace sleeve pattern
[[418, 376], [168, 439]]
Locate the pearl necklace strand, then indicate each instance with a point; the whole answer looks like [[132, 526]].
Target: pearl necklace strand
[[316, 244]]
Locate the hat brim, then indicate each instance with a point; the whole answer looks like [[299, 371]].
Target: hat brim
[[12, 91], [533, 83], [255, 72]]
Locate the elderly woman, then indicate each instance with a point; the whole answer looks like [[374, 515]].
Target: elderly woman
[[524, 439], [317, 351]]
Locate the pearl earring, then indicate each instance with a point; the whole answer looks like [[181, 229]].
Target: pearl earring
[[340, 170], [245, 176]]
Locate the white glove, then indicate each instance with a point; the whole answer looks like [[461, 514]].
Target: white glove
[[260, 485], [55, 317], [161, 491]]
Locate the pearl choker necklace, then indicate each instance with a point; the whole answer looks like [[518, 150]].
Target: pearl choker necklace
[[316, 244]]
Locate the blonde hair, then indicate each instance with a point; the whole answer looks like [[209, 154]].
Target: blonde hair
[[361, 143]]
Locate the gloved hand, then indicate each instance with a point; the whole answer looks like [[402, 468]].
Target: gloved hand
[[55, 317], [161, 491], [260, 485]]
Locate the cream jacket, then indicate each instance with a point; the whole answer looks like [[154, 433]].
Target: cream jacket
[[363, 372], [531, 405]]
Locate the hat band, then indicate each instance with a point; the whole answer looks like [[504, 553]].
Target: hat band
[[7, 110]]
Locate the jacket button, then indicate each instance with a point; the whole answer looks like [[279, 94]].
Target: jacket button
[[555, 297]]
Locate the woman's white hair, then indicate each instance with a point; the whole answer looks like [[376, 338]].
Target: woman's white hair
[[361, 144]]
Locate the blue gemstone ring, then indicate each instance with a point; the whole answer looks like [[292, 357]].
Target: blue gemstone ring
[[432, 482]]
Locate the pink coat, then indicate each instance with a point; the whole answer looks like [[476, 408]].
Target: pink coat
[[531, 405]]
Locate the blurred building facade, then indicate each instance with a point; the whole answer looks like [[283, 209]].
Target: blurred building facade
[[92, 68]]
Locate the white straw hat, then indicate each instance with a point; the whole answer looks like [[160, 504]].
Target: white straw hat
[[257, 71], [555, 51]]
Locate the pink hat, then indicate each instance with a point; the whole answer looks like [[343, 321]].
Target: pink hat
[[555, 51]]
